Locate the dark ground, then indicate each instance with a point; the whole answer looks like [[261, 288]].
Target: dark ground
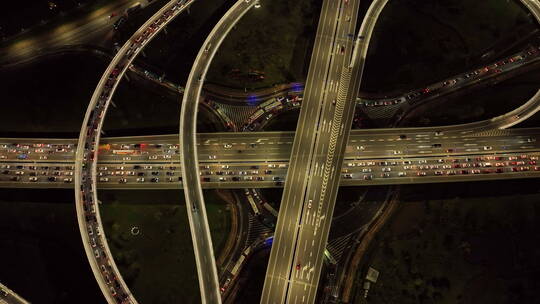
[[460, 243]]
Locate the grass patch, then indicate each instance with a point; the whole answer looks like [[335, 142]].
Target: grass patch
[[161, 256], [416, 42], [49, 98], [459, 243], [274, 39], [41, 243]]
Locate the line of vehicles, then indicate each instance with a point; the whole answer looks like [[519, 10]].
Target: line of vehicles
[[494, 67], [272, 172], [89, 201], [442, 166]]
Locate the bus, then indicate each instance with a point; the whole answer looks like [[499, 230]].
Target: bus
[[253, 204]]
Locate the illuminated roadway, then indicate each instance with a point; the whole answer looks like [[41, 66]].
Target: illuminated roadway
[[8, 296], [319, 81], [461, 131], [267, 150], [324, 177], [200, 231], [296, 280], [95, 244]]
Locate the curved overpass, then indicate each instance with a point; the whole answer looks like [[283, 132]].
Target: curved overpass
[[200, 232], [98, 253]]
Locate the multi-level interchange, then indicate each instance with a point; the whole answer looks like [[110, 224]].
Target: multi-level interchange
[[310, 164]]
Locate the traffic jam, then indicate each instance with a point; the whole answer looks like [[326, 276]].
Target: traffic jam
[[110, 274]]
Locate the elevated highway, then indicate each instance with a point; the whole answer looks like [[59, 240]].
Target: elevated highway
[[313, 130], [8, 296], [200, 231], [95, 244]]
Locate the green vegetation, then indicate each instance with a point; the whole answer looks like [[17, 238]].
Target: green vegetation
[[273, 39], [158, 263], [460, 243], [416, 42]]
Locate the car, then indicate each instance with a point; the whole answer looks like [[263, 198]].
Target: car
[[227, 146], [103, 179], [397, 152], [366, 170], [212, 156], [334, 101], [309, 204], [421, 173], [154, 180], [298, 266], [402, 174], [122, 180], [140, 179], [342, 50], [368, 177], [487, 148], [347, 175], [33, 179], [386, 169], [68, 180], [385, 175]]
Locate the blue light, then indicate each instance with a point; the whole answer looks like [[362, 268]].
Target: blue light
[[269, 241], [297, 87], [252, 100]]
